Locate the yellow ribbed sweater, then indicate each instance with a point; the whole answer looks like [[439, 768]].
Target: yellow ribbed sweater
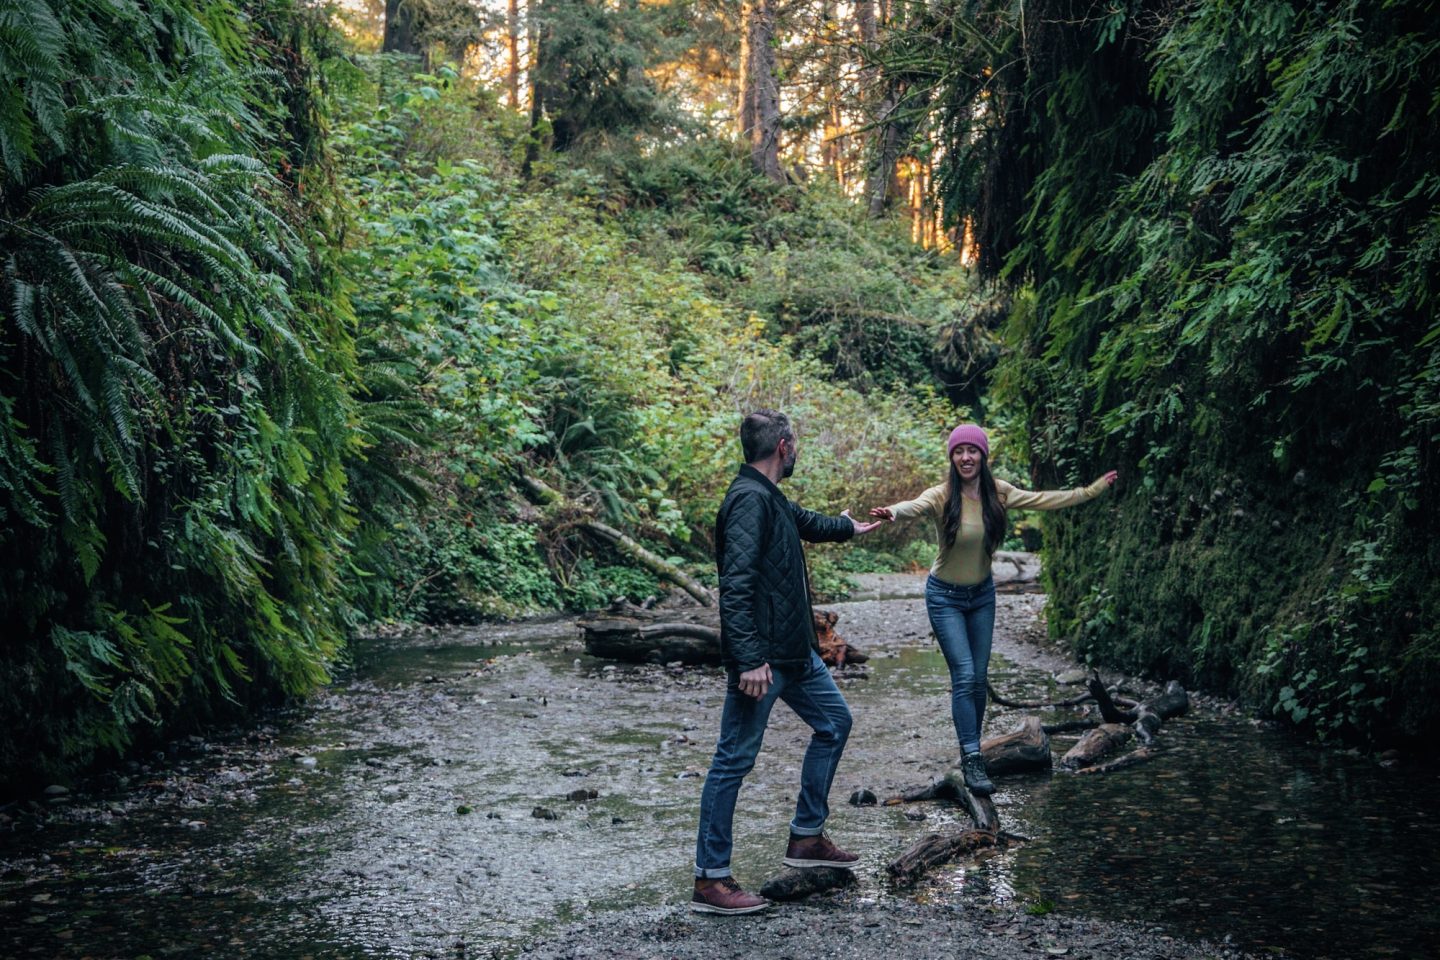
[[966, 561]]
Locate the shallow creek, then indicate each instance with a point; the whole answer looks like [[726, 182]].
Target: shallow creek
[[456, 793]]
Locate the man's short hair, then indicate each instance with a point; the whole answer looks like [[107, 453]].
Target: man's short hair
[[761, 432]]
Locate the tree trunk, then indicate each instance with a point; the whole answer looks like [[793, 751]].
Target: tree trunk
[[765, 134], [537, 105], [745, 95], [512, 53], [400, 28]]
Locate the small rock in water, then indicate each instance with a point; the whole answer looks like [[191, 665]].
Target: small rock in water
[[1071, 676], [916, 815], [582, 795], [863, 798], [544, 813], [306, 761], [463, 809], [56, 790]]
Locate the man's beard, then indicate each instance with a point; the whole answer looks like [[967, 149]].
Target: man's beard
[[789, 466]]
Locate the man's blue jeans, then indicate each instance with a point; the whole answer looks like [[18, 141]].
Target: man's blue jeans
[[963, 618], [810, 691]]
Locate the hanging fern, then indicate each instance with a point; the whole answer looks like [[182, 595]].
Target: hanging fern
[[175, 370]]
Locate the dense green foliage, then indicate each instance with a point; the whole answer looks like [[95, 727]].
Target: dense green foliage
[[1223, 221], [174, 419], [552, 333]]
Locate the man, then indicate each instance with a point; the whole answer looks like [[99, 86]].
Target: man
[[767, 642]]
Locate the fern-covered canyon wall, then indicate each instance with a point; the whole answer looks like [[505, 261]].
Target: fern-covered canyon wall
[[1222, 221]]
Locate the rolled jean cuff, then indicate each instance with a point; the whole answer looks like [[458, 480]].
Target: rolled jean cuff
[[711, 873], [806, 831]]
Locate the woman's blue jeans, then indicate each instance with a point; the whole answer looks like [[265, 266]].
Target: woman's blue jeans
[[963, 618], [810, 691]]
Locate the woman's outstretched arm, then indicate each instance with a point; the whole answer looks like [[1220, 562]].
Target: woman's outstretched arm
[[1017, 499]]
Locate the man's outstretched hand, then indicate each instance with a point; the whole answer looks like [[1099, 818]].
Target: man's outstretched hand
[[860, 528]]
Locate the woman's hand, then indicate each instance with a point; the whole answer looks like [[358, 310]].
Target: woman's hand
[[882, 513], [1110, 477]]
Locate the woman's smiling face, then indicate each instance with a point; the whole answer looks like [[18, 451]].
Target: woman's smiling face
[[966, 457]]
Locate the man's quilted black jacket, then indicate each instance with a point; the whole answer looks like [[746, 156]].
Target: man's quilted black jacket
[[765, 614]]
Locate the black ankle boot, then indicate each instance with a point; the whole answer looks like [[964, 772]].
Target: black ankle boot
[[973, 766]]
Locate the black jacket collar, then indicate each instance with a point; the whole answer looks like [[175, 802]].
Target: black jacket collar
[[748, 471]]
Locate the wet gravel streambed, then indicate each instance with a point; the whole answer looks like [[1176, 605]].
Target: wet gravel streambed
[[494, 792]]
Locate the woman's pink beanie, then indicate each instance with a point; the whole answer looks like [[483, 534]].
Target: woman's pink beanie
[[971, 434]]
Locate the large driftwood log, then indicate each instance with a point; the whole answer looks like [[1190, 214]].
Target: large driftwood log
[[793, 884], [938, 848], [1096, 745], [548, 496], [1025, 748], [691, 636], [633, 641]]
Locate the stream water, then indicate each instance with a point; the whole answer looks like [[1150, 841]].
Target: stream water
[[457, 793]]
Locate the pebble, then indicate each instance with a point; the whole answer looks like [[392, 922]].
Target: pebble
[[56, 790]]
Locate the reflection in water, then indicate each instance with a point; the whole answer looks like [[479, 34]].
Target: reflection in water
[[425, 802]]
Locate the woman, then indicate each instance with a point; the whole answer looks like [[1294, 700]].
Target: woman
[[969, 513]]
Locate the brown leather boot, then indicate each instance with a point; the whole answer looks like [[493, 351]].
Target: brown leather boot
[[818, 851], [724, 895]]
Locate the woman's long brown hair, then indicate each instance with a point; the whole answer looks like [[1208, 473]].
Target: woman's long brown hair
[[992, 511]]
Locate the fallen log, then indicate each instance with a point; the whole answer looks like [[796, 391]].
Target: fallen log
[[547, 495], [1135, 757], [633, 641], [633, 635], [1018, 705], [938, 848], [1025, 748], [1152, 713], [1096, 745], [1070, 726], [1108, 708], [792, 883], [981, 809]]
